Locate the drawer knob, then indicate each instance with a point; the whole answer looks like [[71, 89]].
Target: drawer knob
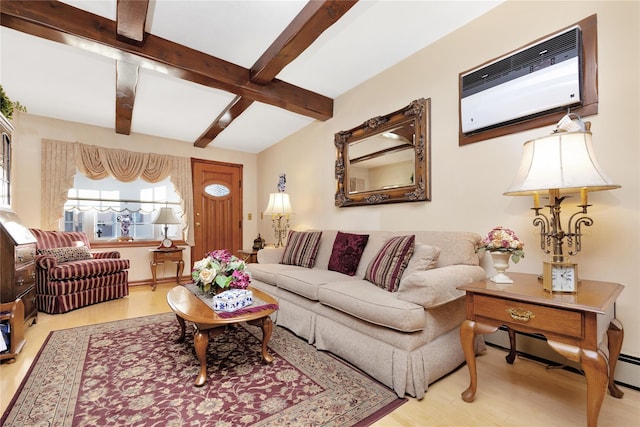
[[520, 314]]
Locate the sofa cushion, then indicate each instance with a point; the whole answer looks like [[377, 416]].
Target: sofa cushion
[[87, 268], [302, 248], [424, 257], [456, 247], [385, 269], [372, 304], [306, 282], [347, 251], [74, 286], [76, 253], [267, 273]]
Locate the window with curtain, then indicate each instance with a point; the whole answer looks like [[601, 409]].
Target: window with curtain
[[108, 209], [62, 161]]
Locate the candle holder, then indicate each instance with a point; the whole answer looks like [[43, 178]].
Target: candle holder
[[552, 235]]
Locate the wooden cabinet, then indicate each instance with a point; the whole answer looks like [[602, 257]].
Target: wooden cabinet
[[17, 263]]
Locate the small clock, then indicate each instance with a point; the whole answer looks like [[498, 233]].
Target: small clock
[[560, 276], [166, 243]]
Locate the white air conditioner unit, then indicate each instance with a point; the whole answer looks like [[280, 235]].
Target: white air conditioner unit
[[536, 79]]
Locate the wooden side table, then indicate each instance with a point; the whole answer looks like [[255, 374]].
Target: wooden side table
[[572, 324], [160, 256], [249, 255]]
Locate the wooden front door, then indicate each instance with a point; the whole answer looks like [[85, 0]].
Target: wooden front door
[[217, 205]]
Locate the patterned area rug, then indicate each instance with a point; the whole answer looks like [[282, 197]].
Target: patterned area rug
[[133, 373]]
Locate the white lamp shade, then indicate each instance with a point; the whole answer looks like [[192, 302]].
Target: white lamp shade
[[166, 216], [563, 161], [279, 204]]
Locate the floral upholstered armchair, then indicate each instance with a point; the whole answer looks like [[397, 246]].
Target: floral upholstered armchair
[[70, 276]]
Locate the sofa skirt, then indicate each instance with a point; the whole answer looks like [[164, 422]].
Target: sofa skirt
[[406, 372], [56, 304]]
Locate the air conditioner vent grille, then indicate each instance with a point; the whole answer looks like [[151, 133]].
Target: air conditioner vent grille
[[549, 52]]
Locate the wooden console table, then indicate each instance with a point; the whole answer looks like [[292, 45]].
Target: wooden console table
[[572, 324], [249, 255], [160, 256]]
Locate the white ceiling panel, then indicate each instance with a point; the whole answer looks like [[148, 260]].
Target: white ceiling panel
[[174, 108], [58, 81], [260, 127]]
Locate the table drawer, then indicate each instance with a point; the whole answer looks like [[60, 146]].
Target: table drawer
[[167, 256], [542, 318], [25, 254], [25, 277]]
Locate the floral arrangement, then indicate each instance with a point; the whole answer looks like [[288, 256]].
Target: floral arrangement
[[220, 270], [502, 239]]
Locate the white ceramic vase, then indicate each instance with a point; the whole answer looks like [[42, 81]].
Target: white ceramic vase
[[501, 263]]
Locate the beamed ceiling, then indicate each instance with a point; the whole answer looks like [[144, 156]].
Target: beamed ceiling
[[240, 75]]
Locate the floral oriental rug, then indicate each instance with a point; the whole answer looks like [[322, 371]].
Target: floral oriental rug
[[133, 373]]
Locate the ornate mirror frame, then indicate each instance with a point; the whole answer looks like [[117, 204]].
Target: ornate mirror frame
[[416, 115]]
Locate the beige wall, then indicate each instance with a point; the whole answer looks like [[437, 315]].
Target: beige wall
[[468, 182], [30, 130]]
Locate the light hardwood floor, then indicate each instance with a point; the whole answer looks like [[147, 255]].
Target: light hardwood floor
[[522, 394]]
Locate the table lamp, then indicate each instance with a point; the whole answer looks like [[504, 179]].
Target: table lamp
[[279, 207], [166, 217], [560, 164]]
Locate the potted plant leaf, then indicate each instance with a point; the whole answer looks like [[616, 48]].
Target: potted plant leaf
[[7, 106]]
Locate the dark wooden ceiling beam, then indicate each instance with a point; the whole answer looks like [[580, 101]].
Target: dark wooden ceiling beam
[[126, 83], [62, 23], [131, 16], [230, 113], [305, 28]]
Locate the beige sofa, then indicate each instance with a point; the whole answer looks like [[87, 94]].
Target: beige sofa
[[405, 339]]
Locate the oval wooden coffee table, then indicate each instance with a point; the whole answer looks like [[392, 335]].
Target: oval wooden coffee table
[[208, 324]]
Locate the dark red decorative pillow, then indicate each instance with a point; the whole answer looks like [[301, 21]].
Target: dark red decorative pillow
[[347, 251]]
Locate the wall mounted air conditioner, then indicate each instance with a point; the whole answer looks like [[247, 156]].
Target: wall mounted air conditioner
[[538, 78]]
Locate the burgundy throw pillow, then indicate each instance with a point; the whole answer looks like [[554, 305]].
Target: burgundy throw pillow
[[386, 269], [347, 251]]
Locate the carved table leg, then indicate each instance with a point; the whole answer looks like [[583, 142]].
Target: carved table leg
[[266, 324], [468, 331], [182, 329], [615, 335], [512, 344], [179, 270], [595, 370], [154, 267], [200, 342], [596, 373]]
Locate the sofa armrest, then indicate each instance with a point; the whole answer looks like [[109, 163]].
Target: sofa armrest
[[270, 255], [46, 261], [437, 286], [106, 254]]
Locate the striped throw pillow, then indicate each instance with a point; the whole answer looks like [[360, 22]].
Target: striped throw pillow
[[302, 248], [385, 269]]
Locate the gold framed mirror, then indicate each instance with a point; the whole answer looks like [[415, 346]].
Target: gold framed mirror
[[386, 159]]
